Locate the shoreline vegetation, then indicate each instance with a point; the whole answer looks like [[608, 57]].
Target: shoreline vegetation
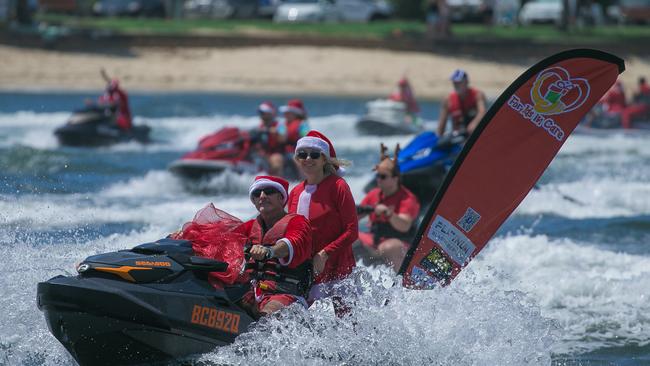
[[261, 57]]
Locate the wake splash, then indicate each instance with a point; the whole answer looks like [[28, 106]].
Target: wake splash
[[390, 325]]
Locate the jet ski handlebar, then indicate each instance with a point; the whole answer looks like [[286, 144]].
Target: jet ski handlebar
[[364, 209]]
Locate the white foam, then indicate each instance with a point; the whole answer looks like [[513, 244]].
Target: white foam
[[599, 298]]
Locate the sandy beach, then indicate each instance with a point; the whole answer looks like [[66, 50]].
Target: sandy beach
[[262, 70]]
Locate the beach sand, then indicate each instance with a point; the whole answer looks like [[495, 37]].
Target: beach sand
[[261, 70]]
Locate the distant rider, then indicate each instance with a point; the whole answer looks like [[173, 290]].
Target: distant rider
[[283, 238], [270, 146], [465, 105], [116, 98], [404, 94], [295, 124], [395, 210]]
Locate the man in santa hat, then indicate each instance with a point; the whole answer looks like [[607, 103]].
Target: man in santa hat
[[279, 237], [295, 123], [395, 210]]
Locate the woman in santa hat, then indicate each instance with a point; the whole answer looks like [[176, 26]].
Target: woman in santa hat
[[295, 123], [326, 200]]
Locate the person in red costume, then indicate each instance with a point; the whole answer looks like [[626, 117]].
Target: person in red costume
[[404, 94], [295, 123], [285, 238], [269, 145], [274, 235], [395, 210], [465, 105], [115, 97], [326, 200], [639, 109]]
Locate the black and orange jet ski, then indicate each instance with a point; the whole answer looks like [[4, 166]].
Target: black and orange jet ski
[[147, 305]]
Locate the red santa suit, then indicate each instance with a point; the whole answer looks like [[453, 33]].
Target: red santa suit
[[401, 202], [330, 208]]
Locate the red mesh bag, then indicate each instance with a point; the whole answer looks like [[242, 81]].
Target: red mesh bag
[[214, 235]]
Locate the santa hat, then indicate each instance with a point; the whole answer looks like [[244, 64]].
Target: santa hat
[[317, 141], [266, 107], [294, 106], [265, 181]]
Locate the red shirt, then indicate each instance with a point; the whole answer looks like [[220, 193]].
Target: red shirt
[[297, 235], [401, 202], [121, 100], [334, 222]]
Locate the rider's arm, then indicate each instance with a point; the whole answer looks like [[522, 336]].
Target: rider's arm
[[480, 112], [442, 120], [296, 246], [401, 222], [348, 212], [105, 76]]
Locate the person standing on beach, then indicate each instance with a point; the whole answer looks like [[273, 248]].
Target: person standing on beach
[[465, 105], [325, 199]]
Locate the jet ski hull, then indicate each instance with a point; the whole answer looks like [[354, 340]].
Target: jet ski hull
[[102, 319], [375, 127], [195, 169], [93, 135]]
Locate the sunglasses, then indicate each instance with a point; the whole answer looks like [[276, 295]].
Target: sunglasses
[[313, 155], [267, 191], [382, 176]]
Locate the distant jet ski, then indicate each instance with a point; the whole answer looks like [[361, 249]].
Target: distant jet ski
[[95, 126], [148, 305], [386, 117], [228, 150]]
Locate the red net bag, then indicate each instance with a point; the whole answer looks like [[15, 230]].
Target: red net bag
[[214, 235]]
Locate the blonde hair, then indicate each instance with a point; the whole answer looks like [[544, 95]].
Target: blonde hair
[[332, 163]]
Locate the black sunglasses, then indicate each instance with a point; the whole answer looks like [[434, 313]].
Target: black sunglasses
[[302, 155], [382, 176], [267, 191]]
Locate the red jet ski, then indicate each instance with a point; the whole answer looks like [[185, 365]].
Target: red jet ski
[[227, 149]]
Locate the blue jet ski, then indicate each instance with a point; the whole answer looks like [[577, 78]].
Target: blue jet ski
[[424, 162]]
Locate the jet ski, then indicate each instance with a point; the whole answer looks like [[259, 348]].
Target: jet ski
[[424, 162], [386, 117], [229, 149], [95, 126], [147, 305]]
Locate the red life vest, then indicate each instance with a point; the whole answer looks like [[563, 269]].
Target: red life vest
[[294, 281], [462, 110], [275, 233]]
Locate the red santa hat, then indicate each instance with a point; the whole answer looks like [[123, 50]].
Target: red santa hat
[[266, 107], [317, 141], [294, 106], [265, 181]]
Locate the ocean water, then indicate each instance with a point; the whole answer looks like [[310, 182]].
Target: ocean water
[[564, 282]]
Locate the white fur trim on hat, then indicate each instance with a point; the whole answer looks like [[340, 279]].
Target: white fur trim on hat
[[312, 142], [263, 183]]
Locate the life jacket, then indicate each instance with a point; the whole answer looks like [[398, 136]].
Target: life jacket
[[462, 111], [294, 281], [271, 143]]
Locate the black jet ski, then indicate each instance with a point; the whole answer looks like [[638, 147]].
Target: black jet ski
[[95, 126], [147, 305]]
